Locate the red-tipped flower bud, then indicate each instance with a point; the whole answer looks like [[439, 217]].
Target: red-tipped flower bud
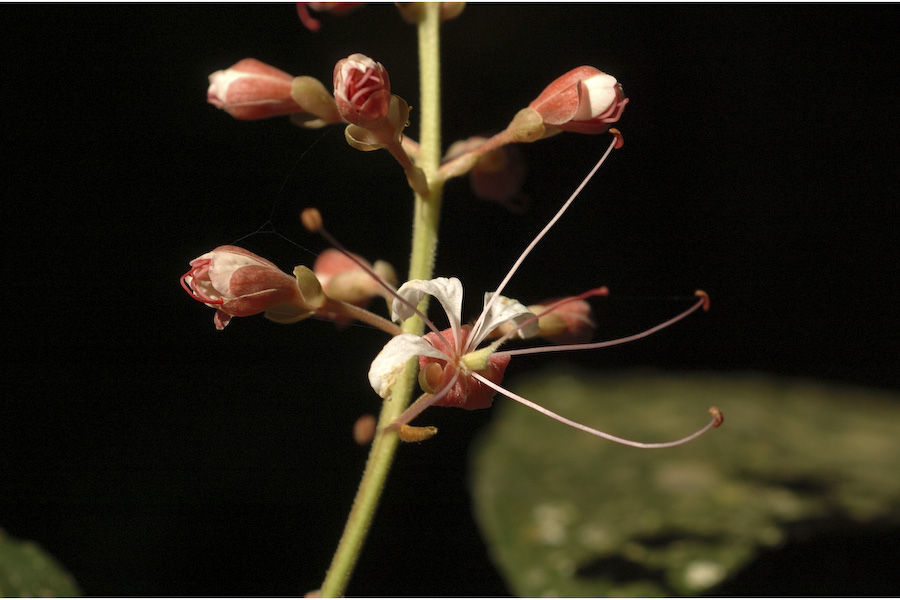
[[362, 90], [238, 283], [584, 100]]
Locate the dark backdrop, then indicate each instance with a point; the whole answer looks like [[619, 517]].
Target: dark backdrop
[[155, 455]]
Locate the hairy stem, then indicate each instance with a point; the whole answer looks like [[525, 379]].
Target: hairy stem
[[424, 244]]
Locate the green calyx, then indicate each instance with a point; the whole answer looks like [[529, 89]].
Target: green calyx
[[478, 360]]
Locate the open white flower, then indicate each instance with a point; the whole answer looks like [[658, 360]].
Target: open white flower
[[456, 346], [455, 370]]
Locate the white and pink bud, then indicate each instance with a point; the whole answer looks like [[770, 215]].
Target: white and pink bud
[[584, 100], [377, 118], [238, 283], [362, 90], [251, 89]]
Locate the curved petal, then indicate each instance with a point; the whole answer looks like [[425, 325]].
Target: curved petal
[[226, 260], [559, 101], [393, 358], [596, 96], [448, 292], [504, 309]]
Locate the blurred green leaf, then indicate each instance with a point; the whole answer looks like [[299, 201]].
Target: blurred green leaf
[[27, 571], [568, 514]]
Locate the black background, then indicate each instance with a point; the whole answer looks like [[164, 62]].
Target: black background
[[154, 455]]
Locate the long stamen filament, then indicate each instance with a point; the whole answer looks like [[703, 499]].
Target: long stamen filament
[[703, 302], [543, 232], [714, 422]]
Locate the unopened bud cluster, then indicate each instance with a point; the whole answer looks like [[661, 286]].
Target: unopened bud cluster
[[584, 100]]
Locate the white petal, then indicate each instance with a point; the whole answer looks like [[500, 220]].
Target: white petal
[[448, 292], [393, 358], [504, 309], [599, 93], [223, 266], [220, 81], [358, 62]]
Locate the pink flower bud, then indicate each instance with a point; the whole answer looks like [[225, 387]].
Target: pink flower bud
[[238, 283], [251, 89], [584, 100], [467, 392], [570, 322], [343, 279], [362, 90]]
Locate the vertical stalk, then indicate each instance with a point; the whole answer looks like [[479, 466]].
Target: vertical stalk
[[426, 219], [428, 210]]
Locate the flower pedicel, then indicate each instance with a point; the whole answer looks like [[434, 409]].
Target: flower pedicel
[[455, 370]]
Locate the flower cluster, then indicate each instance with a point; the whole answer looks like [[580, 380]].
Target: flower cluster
[[459, 363], [583, 100], [463, 364]]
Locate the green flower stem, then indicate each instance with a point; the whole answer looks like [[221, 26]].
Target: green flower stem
[[428, 210], [424, 245]]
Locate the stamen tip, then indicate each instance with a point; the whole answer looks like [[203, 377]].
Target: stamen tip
[[311, 219], [620, 140], [603, 291], [716, 414], [705, 296], [411, 433]]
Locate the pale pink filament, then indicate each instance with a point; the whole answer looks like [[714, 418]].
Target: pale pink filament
[[594, 345], [590, 430], [474, 339]]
